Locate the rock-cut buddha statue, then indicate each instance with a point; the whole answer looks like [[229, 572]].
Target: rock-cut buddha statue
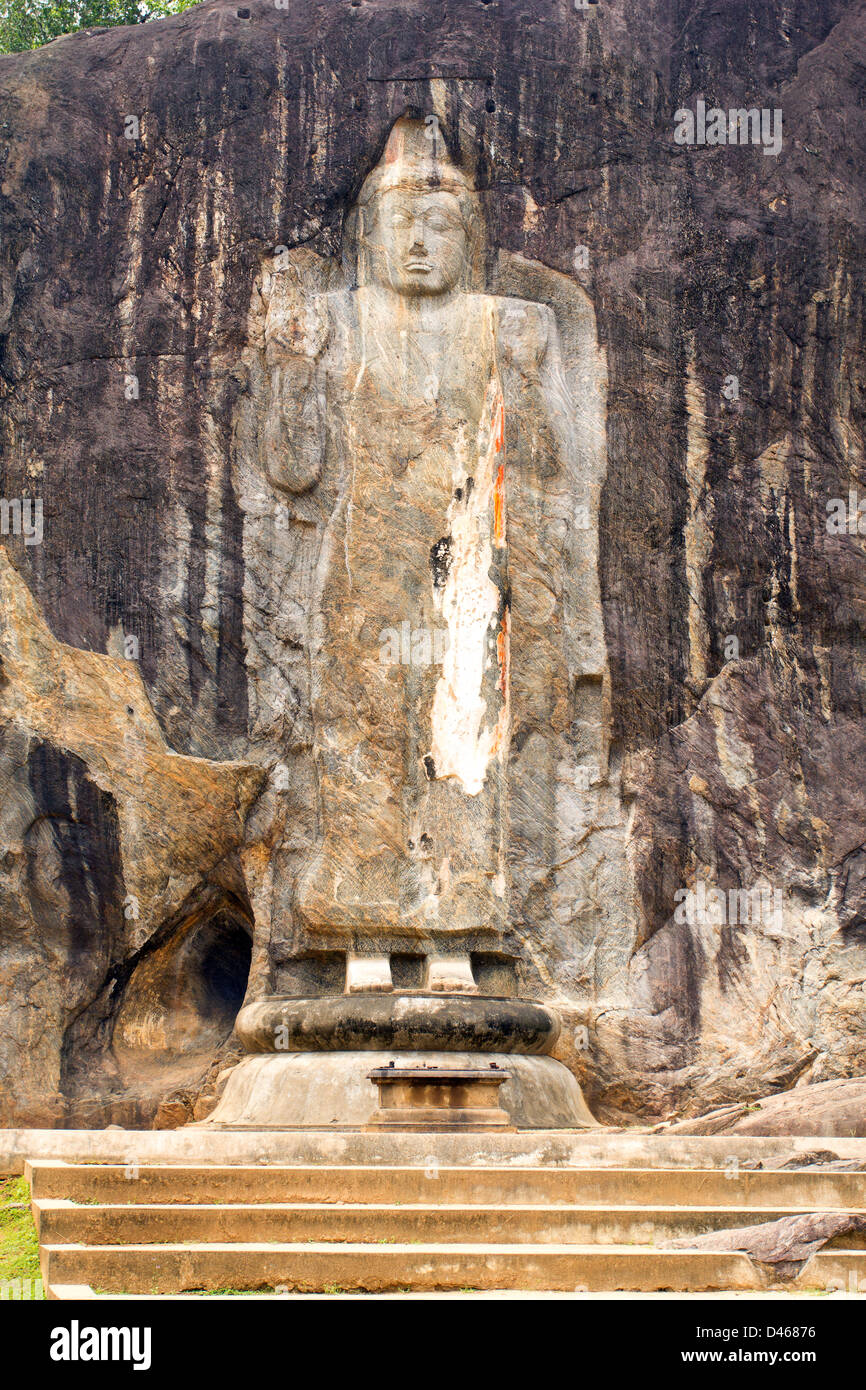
[[437, 596], [436, 422]]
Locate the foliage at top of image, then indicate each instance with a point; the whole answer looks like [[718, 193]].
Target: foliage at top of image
[[30, 23]]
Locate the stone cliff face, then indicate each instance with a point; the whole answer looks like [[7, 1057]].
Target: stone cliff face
[[155, 712]]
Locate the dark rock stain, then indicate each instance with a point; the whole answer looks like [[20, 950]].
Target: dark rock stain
[[440, 561]]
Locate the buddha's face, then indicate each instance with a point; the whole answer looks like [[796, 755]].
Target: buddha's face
[[417, 244]]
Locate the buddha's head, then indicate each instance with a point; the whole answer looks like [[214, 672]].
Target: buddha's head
[[417, 220]]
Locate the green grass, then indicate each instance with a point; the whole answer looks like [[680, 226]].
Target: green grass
[[226, 1291], [19, 1247]]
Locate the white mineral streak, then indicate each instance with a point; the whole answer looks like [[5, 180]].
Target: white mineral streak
[[773, 469], [696, 532], [462, 741]]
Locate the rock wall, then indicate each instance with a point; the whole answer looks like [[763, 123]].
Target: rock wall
[[155, 720]]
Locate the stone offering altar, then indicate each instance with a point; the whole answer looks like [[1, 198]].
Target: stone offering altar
[[449, 1099]]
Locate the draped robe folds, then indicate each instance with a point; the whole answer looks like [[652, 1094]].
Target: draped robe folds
[[442, 432]]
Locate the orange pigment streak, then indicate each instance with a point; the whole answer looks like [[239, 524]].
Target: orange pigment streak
[[499, 486], [499, 507], [503, 653]]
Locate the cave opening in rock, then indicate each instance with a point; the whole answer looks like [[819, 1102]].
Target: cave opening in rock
[[183, 998], [224, 950]]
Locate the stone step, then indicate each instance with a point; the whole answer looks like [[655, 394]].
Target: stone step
[[167, 1228], [75, 1293], [166, 1269], [169, 1269], [196, 1184], [587, 1149], [63, 1222]]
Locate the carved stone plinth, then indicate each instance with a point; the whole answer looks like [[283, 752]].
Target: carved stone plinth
[[313, 1058], [413, 1021], [333, 1090]]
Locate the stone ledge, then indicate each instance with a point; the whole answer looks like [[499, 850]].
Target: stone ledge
[[557, 1148]]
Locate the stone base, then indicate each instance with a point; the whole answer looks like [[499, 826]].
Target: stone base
[[332, 1090], [411, 1020]]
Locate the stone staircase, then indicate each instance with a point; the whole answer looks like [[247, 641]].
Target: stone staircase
[[165, 1229]]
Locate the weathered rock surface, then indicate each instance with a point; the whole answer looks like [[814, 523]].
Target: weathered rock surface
[[128, 267], [829, 1107], [120, 882], [784, 1245]]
